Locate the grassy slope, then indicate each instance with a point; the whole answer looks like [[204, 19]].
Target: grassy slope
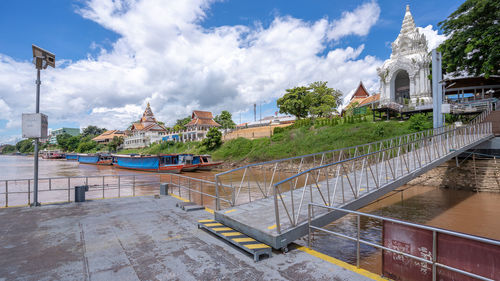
[[306, 140], [293, 141]]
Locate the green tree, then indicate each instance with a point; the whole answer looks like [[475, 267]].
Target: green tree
[[295, 102], [62, 141], [474, 38], [25, 146], [92, 131], [323, 100], [180, 124], [225, 120], [115, 143], [213, 139], [86, 146], [7, 148]]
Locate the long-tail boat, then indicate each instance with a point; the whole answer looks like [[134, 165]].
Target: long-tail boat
[[167, 163], [205, 162], [71, 156], [95, 159], [188, 161], [52, 154]]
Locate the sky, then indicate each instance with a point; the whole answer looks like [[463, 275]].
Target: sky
[[115, 56]]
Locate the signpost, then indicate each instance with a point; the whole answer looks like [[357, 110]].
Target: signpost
[[35, 125]]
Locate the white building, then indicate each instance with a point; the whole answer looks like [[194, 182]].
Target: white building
[[404, 77], [196, 129], [146, 132]]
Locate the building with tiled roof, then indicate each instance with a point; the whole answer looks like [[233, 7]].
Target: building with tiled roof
[[196, 129], [145, 132], [108, 136], [361, 100]]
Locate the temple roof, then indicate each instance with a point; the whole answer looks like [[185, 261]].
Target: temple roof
[[202, 118], [409, 40], [109, 135], [148, 122], [360, 92]]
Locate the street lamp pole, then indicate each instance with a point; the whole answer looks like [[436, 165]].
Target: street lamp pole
[[35, 177]]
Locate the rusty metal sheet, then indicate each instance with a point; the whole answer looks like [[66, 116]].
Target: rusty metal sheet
[[411, 240], [468, 255]]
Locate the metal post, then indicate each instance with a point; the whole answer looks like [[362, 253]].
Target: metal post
[[357, 242], [29, 192], [6, 194], [69, 188], [437, 89], [434, 258], [309, 225], [50, 183], [35, 177], [102, 187], [133, 186], [189, 189]]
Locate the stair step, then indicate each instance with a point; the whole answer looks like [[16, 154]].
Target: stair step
[[236, 238]]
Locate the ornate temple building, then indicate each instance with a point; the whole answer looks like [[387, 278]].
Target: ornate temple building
[[196, 129], [145, 132], [404, 77]]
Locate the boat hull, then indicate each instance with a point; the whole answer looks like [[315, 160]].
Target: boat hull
[[172, 170], [190, 168], [208, 166]]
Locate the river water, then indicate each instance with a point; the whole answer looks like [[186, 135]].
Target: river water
[[463, 211]]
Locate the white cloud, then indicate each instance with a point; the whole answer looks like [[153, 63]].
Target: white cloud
[[357, 22], [166, 57], [433, 38]]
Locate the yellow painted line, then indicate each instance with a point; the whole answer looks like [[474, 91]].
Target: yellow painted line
[[16, 206], [180, 198], [256, 246], [362, 189], [209, 210], [172, 238], [205, 220], [222, 229], [272, 226], [231, 233], [342, 264], [246, 239], [213, 224], [230, 211]]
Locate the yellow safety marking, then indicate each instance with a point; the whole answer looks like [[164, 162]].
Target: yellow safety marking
[[222, 228], [342, 264], [246, 239], [362, 189], [213, 224], [180, 198], [256, 246], [205, 220], [272, 226], [209, 210], [230, 211], [231, 234], [172, 238]]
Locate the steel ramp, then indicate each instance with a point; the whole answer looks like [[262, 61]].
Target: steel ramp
[[248, 244]]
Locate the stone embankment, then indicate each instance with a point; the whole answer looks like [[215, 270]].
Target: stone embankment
[[476, 175]]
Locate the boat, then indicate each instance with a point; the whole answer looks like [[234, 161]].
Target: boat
[[166, 163], [95, 159], [205, 162], [52, 154], [188, 161], [71, 156]]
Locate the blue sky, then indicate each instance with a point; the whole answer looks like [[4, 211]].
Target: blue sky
[[117, 56]]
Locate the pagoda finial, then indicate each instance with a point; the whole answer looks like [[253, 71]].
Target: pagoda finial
[[407, 8], [148, 104]]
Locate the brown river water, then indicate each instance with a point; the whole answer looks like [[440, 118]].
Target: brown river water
[[463, 211]]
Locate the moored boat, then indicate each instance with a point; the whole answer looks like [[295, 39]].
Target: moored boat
[[71, 156], [52, 154], [95, 159], [187, 160], [206, 163], [155, 163]]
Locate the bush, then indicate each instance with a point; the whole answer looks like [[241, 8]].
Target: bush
[[419, 122], [278, 130], [213, 139]]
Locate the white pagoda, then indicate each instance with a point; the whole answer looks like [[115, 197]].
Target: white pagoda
[[404, 77]]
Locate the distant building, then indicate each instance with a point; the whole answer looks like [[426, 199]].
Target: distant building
[[146, 132], [196, 129], [361, 100], [52, 139], [108, 136]]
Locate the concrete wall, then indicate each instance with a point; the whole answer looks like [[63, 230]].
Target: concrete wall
[[253, 133]]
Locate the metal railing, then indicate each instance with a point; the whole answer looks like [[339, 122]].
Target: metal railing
[[432, 260], [482, 116], [200, 191], [346, 180], [18, 192], [255, 181]]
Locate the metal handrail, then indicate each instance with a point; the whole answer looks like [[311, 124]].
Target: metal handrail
[[358, 240], [274, 165], [397, 161]]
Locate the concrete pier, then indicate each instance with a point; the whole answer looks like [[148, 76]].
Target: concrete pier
[[139, 238]]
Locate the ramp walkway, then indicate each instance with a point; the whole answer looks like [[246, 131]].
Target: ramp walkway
[[351, 179]]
